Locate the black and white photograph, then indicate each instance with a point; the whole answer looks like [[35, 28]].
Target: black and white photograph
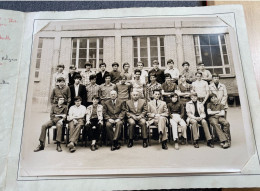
[[134, 96]]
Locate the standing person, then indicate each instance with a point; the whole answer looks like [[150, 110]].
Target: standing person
[[157, 114], [158, 72], [72, 74], [57, 115], [106, 88], [92, 89], [154, 85], [220, 90], [60, 73], [76, 122], [189, 75], [78, 89], [136, 110], [206, 75], [94, 122], [216, 116], [144, 73], [85, 75], [138, 85], [114, 113], [174, 72], [123, 89], [115, 74], [168, 88], [61, 90], [101, 75], [196, 115], [184, 89], [126, 72], [176, 110], [201, 87]]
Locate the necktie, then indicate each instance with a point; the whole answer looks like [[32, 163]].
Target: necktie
[[156, 103]]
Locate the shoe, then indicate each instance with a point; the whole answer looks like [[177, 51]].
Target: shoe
[[210, 144], [39, 148], [58, 148], [225, 145], [160, 137], [183, 141], [164, 146], [118, 146], [145, 145], [92, 147], [130, 144], [96, 146], [196, 145], [70, 145], [176, 145], [73, 149], [113, 148]]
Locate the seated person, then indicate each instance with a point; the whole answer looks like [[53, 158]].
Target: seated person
[[76, 121], [176, 110], [168, 88], [184, 90], [157, 113], [114, 113], [136, 110], [196, 115], [94, 117], [61, 90], [57, 115], [216, 112], [123, 89]]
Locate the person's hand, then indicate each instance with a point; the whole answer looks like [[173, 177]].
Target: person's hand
[[111, 121]]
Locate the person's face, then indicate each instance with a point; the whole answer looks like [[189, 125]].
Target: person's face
[[123, 80], [135, 96], [167, 79], [186, 66], [214, 100], [170, 65], [126, 67], [201, 67], [140, 66], [95, 101], [78, 103], [108, 79], [156, 95], [61, 83], [215, 79], [174, 99], [194, 98], [72, 71], [198, 76], [93, 81], [103, 67], [137, 75], [77, 80], [113, 95], [153, 78], [60, 69], [61, 101], [156, 66], [115, 67], [183, 79], [88, 68]]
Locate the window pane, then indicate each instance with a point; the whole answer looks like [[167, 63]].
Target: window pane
[[227, 70], [216, 56], [197, 51], [163, 61], [101, 53], [39, 53], [143, 52], [211, 70], [222, 39], [74, 52], [83, 43], [40, 43], [218, 70], [135, 52], [38, 62], [161, 41], [196, 40], [154, 51], [145, 61], [81, 64], [135, 62], [100, 61], [93, 62], [135, 41], [153, 41], [101, 43], [224, 49], [226, 59], [204, 39], [92, 43], [74, 43], [213, 39], [36, 74], [143, 42], [73, 62], [82, 53], [206, 57], [92, 53], [162, 51]]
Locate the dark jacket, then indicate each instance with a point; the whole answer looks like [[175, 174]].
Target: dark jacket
[[100, 79], [71, 78], [82, 93]]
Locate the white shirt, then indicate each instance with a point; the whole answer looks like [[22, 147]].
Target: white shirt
[[174, 72], [78, 112], [136, 104], [76, 89], [144, 75], [200, 87]]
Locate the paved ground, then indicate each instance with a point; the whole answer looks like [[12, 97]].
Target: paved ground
[[135, 160]]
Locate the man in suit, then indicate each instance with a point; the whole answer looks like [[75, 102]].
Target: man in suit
[[157, 114], [136, 110], [78, 89], [102, 74], [72, 74], [114, 113]]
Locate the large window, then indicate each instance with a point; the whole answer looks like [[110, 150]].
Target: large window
[[212, 51], [87, 49], [147, 49], [38, 60]]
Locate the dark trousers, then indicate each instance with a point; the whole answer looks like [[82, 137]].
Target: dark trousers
[[222, 135], [113, 136], [141, 123], [93, 133]]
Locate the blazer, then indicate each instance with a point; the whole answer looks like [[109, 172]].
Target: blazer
[[221, 92], [82, 93], [114, 112], [99, 112], [190, 109], [160, 109], [132, 111], [101, 80], [71, 78]]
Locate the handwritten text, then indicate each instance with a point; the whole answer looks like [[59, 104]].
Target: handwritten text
[[6, 58]]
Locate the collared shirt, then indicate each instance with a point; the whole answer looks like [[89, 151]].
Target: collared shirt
[[189, 75], [123, 90], [176, 107], [215, 107], [64, 92], [105, 90], [185, 88], [91, 91], [85, 77], [76, 89], [78, 112], [143, 76], [94, 112], [128, 74], [201, 88], [151, 87], [115, 76], [220, 91], [169, 87], [138, 86], [174, 72], [58, 110], [57, 75]]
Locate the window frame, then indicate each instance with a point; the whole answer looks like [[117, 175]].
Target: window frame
[[37, 70]]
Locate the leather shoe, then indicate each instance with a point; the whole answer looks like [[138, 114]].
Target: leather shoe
[[70, 145], [39, 148], [160, 137], [164, 146], [130, 144], [145, 145], [210, 144], [183, 141], [113, 148], [196, 145], [225, 145], [92, 147], [59, 148], [176, 145], [73, 149]]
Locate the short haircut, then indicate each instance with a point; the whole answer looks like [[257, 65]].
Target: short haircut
[[123, 77], [107, 75], [174, 95], [60, 79], [170, 61], [152, 74], [77, 76], [155, 62], [198, 73], [137, 70], [200, 63], [215, 75], [212, 95], [88, 64], [72, 67], [77, 98], [167, 75], [96, 97], [115, 64], [182, 75], [60, 66], [92, 77], [194, 94], [126, 63], [102, 64], [185, 63], [140, 62], [156, 90]]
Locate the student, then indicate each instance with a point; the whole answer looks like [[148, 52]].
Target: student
[[115, 74], [168, 88], [101, 75], [72, 74], [206, 75], [57, 115], [144, 73], [106, 88], [78, 89], [216, 116], [76, 121], [123, 89], [126, 72], [92, 89], [201, 87], [189, 75], [174, 72], [158, 72], [138, 85], [61, 90], [60, 73], [94, 118], [85, 74], [176, 110], [184, 89], [154, 85]]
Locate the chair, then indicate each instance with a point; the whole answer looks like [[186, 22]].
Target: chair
[[55, 132]]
